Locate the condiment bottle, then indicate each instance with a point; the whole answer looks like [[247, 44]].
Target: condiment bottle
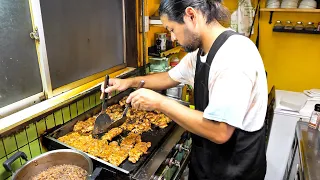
[[310, 26], [278, 25], [318, 26], [288, 25], [158, 46], [299, 26], [315, 117]]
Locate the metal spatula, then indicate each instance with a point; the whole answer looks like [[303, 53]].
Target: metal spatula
[[103, 120], [123, 119]]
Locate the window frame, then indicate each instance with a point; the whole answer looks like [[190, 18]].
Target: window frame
[[48, 92]]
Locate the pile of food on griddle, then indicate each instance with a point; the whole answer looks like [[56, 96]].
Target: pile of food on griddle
[[117, 151]]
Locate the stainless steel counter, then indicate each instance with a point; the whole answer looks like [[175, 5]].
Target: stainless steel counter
[[309, 147]]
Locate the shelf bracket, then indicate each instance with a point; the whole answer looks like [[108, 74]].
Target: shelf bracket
[[271, 15]]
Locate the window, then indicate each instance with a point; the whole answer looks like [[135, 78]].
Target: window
[[19, 69], [79, 41]]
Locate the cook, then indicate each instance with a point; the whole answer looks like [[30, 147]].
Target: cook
[[230, 92]]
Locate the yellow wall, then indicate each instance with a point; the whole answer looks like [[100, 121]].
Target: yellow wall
[[291, 60]]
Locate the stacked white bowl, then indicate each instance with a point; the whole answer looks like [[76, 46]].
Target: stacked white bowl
[[289, 3], [273, 4], [308, 4]]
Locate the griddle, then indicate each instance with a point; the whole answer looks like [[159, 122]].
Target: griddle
[[156, 136]]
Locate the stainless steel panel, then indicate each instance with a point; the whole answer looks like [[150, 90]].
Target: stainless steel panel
[[309, 151], [153, 164], [19, 68]]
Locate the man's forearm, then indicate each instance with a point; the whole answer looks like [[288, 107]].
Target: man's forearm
[[193, 121], [158, 81]]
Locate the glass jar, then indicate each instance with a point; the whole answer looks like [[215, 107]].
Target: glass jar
[[310, 26], [315, 117], [288, 25], [299, 26], [278, 25]]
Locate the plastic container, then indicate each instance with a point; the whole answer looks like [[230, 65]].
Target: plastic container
[[158, 64], [174, 61], [163, 38]]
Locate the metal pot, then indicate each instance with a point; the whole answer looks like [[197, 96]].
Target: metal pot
[[52, 158], [175, 92]]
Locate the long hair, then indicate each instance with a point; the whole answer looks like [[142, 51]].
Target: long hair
[[211, 9]]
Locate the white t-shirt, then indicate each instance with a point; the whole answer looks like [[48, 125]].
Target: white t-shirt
[[238, 92]]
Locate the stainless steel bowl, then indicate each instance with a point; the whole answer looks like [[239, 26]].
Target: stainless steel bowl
[[47, 160]]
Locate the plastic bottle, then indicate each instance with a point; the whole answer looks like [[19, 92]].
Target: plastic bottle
[[315, 117]]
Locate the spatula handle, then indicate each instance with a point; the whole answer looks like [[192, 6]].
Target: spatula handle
[[105, 95], [141, 84]]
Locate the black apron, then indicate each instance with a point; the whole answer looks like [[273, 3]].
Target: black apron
[[243, 156]]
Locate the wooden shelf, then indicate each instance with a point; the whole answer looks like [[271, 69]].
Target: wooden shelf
[[290, 10], [296, 31], [294, 10]]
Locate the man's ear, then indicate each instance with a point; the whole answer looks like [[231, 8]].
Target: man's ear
[[190, 13]]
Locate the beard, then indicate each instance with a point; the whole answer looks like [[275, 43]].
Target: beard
[[192, 41]]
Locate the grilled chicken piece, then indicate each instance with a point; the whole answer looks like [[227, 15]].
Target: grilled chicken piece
[[138, 150], [115, 115], [122, 102], [142, 126], [82, 143], [108, 151], [84, 126], [160, 120], [112, 133], [97, 147], [114, 108], [129, 141], [115, 111], [117, 157]]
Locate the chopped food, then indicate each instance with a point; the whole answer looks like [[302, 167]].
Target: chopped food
[[159, 120], [122, 102], [113, 147], [142, 126], [114, 108], [70, 172], [138, 150], [115, 111], [117, 157], [112, 133], [84, 126], [97, 147], [131, 146], [129, 141]]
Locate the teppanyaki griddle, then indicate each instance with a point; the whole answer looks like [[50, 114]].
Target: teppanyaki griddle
[[156, 136]]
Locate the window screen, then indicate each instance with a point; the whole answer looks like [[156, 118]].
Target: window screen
[[19, 68], [83, 37]]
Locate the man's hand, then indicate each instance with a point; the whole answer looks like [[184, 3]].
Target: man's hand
[[116, 84], [145, 99]]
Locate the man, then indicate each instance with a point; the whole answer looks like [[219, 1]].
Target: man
[[228, 76]]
